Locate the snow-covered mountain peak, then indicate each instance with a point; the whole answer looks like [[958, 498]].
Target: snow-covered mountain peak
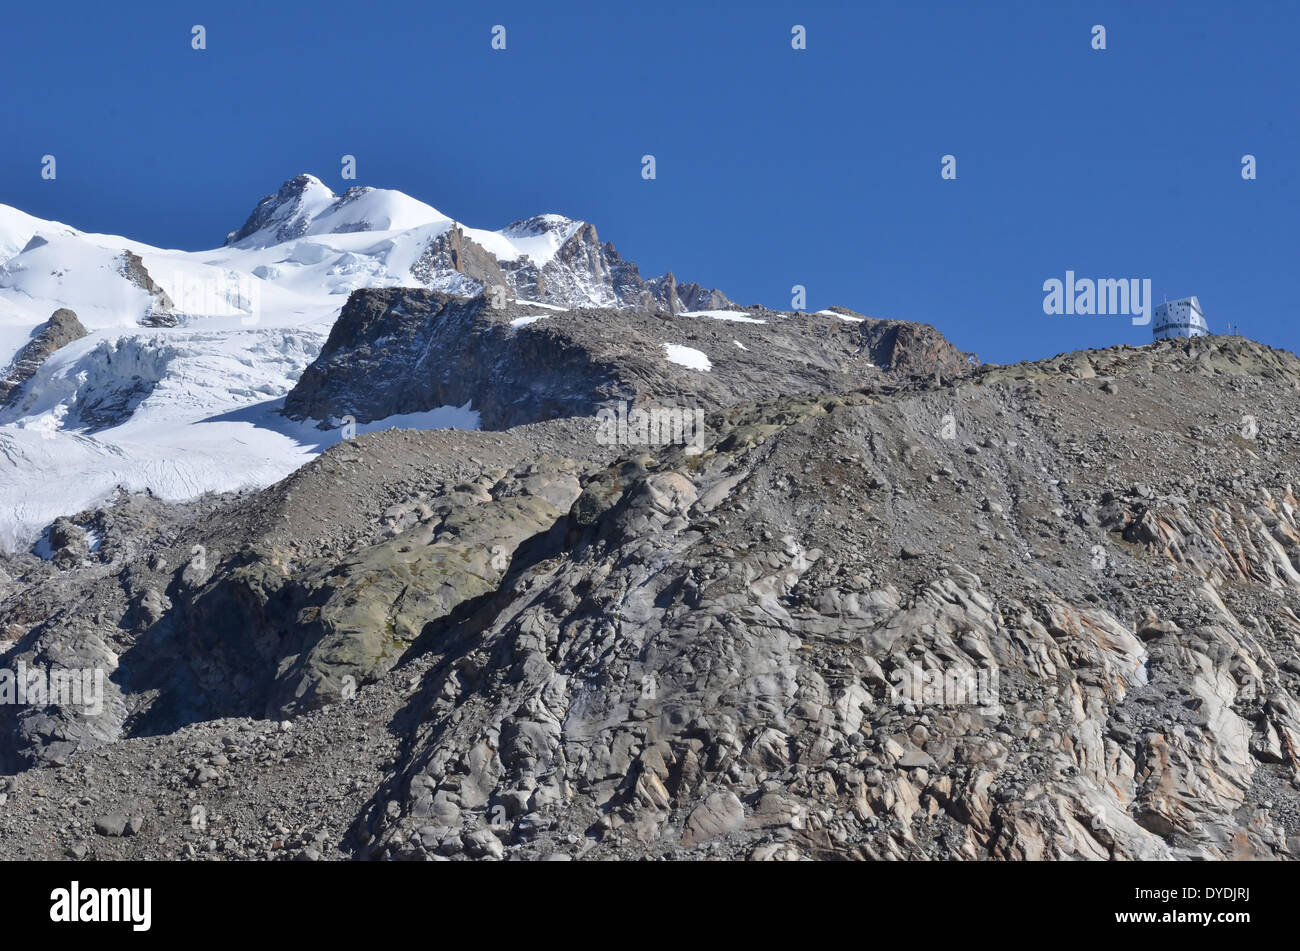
[[541, 236], [541, 224], [305, 206], [18, 229], [284, 215]]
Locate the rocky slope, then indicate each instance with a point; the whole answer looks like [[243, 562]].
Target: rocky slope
[[404, 351], [1040, 611]]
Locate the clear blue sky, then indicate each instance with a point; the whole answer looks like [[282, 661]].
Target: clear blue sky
[[775, 167]]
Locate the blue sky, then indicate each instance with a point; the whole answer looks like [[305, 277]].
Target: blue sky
[[774, 167]]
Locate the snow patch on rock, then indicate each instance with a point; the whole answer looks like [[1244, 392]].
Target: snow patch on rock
[[688, 357]]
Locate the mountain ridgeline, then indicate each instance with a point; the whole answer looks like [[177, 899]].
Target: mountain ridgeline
[[547, 258], [398, 351]]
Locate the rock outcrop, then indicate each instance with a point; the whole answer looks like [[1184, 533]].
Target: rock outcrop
[[403, 351], [453, 251], [586, 272], [61, 329], [161, 312]]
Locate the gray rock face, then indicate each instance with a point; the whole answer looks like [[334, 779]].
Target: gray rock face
[[775, 682], [911, 348], [115, 825], [68, 542], [61, 329], [403, 351], [453, 251], [687, 297], [337, 626], [554, 649], [587, 272]]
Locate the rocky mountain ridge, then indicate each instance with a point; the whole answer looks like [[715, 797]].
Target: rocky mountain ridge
[[395, 351]]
